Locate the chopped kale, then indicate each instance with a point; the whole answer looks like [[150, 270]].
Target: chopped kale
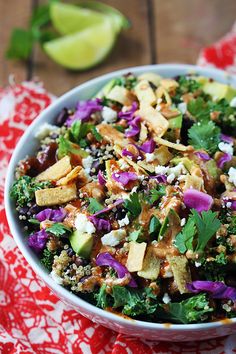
[[23, 189], [47, 258], [194, 309]]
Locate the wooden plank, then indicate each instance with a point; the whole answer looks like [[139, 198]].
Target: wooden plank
[[132, 48], [12, 14], [183, 27]]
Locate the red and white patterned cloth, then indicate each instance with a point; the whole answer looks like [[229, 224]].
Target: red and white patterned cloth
[[32, 319]]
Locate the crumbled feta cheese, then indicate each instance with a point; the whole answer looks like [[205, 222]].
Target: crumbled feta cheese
[[232, 175], [87, 163], [56, 277], [83, 225], [225, 147], [182, 107], [226, 307], [150, 157], [183, 222], [134, 189], [171, 178], [233, 102], [44, 130], [159, 100], [228, 204], [124, 222], [123, 164], [166, 299], [198, 264], [158, 108], [113, 238], [109, 115], [161, 170], [178, 170]]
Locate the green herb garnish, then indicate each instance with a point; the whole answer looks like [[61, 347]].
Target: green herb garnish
[[94, 206], [204, 136], [58, 229], [133, 204]]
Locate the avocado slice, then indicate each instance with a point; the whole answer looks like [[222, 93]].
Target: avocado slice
[[81, 243], [219, 91], [176, 122], [188, 164]]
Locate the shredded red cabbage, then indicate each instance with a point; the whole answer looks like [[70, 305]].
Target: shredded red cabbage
[[148, 147], [129, 115], [197, 200], [134, 127], [217, 289], [160, 178], [106, 259], [226, 138], [202, 155], [126, 152], [124, 177], [226, 157], [110, 207], [38, 240], [57, 215], [100, 224], [84, 110], [101, 178], [233, 205]]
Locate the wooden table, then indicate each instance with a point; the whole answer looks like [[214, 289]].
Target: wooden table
[[162, 31]]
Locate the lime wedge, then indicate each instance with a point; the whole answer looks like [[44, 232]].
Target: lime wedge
[[84, 49], [68, 19], [119, 20]]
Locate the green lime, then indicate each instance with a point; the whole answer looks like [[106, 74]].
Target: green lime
[[84, 49], [68, 19], [118, 19]]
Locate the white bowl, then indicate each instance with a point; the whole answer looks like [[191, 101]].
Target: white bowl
[[28, 144]]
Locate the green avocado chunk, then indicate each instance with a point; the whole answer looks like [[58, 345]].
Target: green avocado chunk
[[219, 91], [81, 243]]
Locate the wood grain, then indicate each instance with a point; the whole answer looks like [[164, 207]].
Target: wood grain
[[183, 27], [132, 48], [12, 14]]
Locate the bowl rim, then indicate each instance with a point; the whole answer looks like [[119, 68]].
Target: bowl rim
[[58, 289]]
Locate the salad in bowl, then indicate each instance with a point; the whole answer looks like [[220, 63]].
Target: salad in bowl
[[130, 200]]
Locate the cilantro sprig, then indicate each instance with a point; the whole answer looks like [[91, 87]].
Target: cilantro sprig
[[65, 147], [204, 135], [58, 229], [197, 232], [94, 206], [133, 204], [79, 130]]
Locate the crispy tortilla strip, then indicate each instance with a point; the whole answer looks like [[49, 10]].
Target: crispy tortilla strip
[[111, 135], [71, 176], [151, 77], [164, 142], [151, 265], [154, 119], [120, 94], [163, 155], [180, 269], [162, 92], [145, 93], [193, 182], [169, 84], [60, 169], [54, 196], [136, 256]]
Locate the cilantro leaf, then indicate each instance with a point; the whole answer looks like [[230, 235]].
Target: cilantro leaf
[[94, 206], [23, 189], [227, 115], [58, 229], [96, 134], [79, 130], [136, 235], [194, 309], [133, 204], [154, 226], [157, 193], [21, 44], [184, 239], [163, 228], [207, 225], [204, 136], [198, 109], [65, 147]]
